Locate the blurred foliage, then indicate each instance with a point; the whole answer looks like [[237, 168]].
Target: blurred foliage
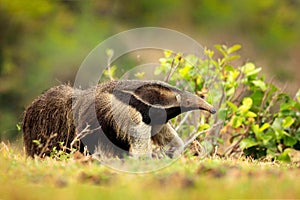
[[42, 43], [270, 23]]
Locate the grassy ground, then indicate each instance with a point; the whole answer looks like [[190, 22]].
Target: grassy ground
[[187, 178]]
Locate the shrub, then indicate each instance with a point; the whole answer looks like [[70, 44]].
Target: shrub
[[259, 118]]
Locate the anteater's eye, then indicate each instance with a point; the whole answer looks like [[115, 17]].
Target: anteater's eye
[[178, 97]]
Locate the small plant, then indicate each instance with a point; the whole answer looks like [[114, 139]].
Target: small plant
[[61, 153]]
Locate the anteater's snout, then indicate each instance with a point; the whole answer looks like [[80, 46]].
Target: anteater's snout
[[193, 102], [213, 111]]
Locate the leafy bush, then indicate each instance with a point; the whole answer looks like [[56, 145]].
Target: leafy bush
[[259, 118]]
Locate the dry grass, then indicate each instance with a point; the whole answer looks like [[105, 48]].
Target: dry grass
[[187, 178]]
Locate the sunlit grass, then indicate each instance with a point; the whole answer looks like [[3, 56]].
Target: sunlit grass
[[186, 178]]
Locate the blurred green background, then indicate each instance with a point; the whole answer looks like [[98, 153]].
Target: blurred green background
[[43, 42]]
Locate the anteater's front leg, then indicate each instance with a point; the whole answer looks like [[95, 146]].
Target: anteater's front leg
[[167, 137], [140, 142]]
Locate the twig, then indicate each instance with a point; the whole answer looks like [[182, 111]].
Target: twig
[[215, 151], [210, 68], [173, 69], [219, 105], [263, 101], [4, 146], [83, 133], [110, 55], [215, 79], [187, 143], [295, 97], [275, 98], [233, 146], [47, 143], [182, 121], [233, 98]]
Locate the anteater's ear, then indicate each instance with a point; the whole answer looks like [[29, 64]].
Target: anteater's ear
[[156, 95]]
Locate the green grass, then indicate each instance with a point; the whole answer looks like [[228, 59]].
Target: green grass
[[187, 178]]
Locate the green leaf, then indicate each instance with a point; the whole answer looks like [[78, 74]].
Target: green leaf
[[255, 128], [208, 147], [247, 104], [284, 156], [298, 95], [297, 106], [203, 127], [110, 72], [168, 53], [109, 52], [247, 101], [232, 75], [221, 48], [264, 127], [234, 57], [229, 68], [255, 71], [276, 124], [287, 122], [259, 132], [184, 72], [249, 69], [247, 143], [234, 48], [280, 134], [297, 135], [289, 141], [19, 127], [251, 114], [222, 113], [271, 151], [259, 83], [209, 53], [233, 107], [285, 106], [38, 142], [230, 92], [257, 96], [266, 139], [139, 75], [237, 121]]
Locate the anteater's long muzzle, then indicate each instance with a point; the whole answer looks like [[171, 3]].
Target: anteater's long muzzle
[[193, 102]]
